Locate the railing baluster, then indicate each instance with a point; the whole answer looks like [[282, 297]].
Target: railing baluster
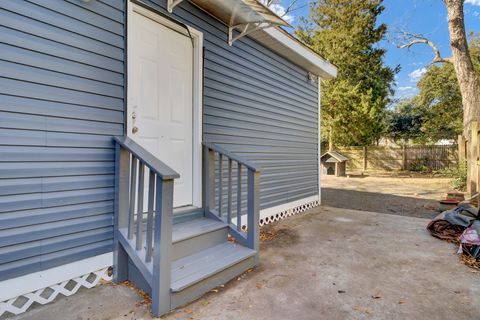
[[239, 197], [131, 214], [253, 209], [141, 187], [220, 184], [229, 203], [151, 200], [208, 179]]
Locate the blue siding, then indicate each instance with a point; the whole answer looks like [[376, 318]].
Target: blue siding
[[61, 101], [259, 105]]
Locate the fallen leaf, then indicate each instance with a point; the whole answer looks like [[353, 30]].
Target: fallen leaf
[[377, 296], [188, 311], [342, 291], [401, 301], [214, 290], [259, 286], [205, 303]]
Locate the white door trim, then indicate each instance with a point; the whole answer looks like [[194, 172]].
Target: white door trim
[[197, 39]]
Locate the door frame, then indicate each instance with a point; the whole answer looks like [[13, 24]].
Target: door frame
[[197, 41]]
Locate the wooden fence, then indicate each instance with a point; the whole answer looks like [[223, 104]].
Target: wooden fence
[[429, 158]]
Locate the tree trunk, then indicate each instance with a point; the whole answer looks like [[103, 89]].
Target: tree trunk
[[467, 76], [468, 81]]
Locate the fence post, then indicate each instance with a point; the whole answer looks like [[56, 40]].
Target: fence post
[[365, 151], [461, 150], [404, 157]]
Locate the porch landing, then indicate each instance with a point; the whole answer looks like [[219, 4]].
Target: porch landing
[[327, 262]]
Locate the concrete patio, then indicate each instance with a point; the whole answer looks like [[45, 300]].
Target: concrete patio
[[327, 263]]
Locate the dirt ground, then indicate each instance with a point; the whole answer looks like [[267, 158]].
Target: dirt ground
[[400, 194], [327, 263]]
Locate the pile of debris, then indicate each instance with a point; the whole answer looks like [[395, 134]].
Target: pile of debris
[[460, 225]]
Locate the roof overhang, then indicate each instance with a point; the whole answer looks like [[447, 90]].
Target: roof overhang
[[284, 44], [241, 16]]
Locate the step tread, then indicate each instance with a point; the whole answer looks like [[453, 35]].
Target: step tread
[[191, 228], [192, 269]]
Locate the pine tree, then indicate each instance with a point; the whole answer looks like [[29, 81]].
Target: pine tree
[[346, 33]]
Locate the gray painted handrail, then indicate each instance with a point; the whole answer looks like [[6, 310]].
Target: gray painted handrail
[[160, 168], [130, 243], [235, 157]]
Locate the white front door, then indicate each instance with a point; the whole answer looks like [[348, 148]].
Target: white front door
[[161, 98]]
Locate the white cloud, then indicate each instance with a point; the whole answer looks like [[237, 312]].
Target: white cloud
[[277, 7], [405, 88], [473, 2], [416, 74]]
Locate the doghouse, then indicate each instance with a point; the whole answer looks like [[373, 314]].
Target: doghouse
[[333, 163]]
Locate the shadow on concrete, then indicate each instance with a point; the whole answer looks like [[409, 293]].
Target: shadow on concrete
[[379, 202]]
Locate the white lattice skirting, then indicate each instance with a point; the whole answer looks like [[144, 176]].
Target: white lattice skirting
[[21, 303], [19, 294], [281, 212]]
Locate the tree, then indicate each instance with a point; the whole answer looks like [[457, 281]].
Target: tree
[[440, 104], [467, 77], [346, 33], [404, 123]]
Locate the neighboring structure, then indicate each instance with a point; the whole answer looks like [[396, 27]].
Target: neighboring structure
[[216, 113], [334, 163]]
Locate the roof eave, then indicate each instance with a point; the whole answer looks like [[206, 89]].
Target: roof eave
[[297, 52]]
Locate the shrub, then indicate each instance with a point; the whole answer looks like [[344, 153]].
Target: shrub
[[458, 175]]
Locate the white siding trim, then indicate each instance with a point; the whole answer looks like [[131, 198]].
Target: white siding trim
[[15, 287]]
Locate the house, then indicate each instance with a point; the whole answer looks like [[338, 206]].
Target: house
[[333, 163], [201, 115]]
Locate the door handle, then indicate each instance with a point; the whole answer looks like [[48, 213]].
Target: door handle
[[134, 130]]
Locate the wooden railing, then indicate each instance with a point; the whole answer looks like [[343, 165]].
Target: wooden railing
[[143, 234], [223, 193]]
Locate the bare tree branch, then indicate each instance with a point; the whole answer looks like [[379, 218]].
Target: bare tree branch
[[414, 39]]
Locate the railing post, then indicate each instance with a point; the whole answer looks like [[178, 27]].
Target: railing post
[[253, 210], [208, 179], [121, 206], [162, 247]]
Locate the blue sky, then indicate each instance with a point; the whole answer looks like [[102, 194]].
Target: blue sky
[[426, 17]]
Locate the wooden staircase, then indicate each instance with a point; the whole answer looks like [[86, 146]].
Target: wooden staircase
[[176, 257]]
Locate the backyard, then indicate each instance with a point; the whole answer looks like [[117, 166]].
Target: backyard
[[404, 194], [331, 262]]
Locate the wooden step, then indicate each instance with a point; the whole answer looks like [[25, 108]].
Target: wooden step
[[197, 267], [196, 235]]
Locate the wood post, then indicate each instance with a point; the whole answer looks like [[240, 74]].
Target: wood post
[[253, 209], [404, 157], [162, 247], [121, 206], [461, 150], [365, 163], [208, 179]]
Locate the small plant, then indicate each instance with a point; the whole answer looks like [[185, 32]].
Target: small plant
[[458, 175], [420, 165]]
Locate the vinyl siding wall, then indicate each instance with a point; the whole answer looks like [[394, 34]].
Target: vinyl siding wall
[[258, 105], [61, 101]]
